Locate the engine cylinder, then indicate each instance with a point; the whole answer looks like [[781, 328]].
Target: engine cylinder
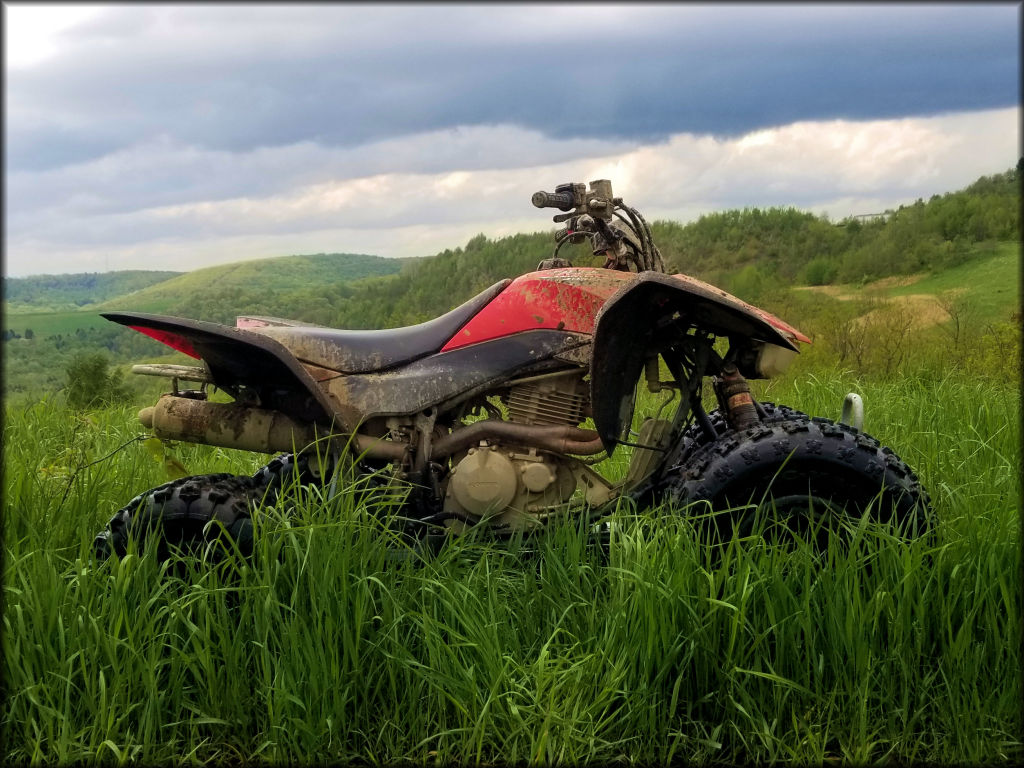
[[550, 401]]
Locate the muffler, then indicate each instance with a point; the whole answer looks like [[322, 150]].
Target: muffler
[[246, 428], [226, 425], [262, 430]]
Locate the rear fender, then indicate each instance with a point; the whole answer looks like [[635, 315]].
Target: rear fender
[[625, 335], [239, 357]]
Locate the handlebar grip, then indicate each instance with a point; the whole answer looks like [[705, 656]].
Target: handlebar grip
[[559, 200]]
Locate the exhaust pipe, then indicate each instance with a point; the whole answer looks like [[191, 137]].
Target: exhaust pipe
[[266, 431], [559, 439], [248, 429]]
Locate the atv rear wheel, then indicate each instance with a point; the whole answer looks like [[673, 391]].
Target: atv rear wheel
[[192, 513], [288, 469], [804, 475], [178, 513]]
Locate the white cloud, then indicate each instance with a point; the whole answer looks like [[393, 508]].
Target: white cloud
[[32, 32], [166, 205]]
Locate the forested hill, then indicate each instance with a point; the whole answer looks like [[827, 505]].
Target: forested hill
[[302, 287], [800, 247], [58, 293], [745, 251]]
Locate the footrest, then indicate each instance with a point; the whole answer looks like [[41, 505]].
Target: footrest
[[185, 372]]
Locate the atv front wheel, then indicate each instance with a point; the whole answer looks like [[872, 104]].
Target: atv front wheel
[[694, 438], [805, 475]]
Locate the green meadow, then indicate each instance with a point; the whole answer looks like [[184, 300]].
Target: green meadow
[[329, 646], [54, 323]]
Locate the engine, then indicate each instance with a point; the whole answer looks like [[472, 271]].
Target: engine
[[560, 399], [515, 485]]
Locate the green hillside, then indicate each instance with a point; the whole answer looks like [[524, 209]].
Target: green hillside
[[37, 346], [277, 286], [58, 293], [993, 276], [42, 324]]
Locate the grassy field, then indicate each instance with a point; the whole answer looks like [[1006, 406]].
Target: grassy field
[[324, 649], [53, 323], [992, 272], [988, 285]]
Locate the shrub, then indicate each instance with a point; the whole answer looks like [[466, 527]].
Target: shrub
[[820, 271], [752, 283], [90, 383]]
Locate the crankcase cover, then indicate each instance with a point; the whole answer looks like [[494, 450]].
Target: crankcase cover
[[484, 482]]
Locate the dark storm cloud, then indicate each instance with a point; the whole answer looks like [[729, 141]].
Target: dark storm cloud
[[240, 77], [157, 136]]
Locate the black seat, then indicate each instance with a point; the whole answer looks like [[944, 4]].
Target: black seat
[[366, 351]]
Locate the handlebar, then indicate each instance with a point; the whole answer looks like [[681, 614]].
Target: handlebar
[[592, 213], [560, 200]]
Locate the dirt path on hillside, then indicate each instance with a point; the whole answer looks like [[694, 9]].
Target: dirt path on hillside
[[842, 292], [924, 309]]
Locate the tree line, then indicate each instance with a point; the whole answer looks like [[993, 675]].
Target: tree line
[[57, 292]]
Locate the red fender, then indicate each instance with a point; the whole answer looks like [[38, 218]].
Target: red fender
[[570, 299]]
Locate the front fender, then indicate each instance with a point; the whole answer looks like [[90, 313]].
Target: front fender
[[625, 335]]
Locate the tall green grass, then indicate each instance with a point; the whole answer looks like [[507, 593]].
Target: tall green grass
[[332, 646]]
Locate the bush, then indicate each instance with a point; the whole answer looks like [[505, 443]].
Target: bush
[[820, 271], [90, 383], [752, 283]]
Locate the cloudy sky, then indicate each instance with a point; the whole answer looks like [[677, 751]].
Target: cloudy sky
[[157, 136]]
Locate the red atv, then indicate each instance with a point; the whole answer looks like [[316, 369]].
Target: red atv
[[498, 412]]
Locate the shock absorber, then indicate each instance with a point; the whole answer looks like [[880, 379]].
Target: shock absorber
[[735, 399]]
